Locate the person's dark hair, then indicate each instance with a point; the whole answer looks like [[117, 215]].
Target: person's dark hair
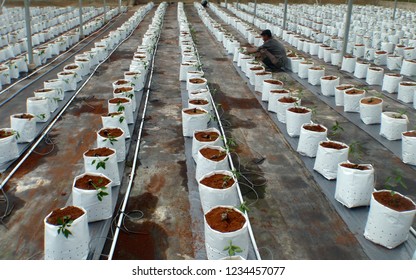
[[266, 32]]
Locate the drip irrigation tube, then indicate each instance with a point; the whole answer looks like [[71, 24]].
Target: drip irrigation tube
[[136, 154], [250, 230]]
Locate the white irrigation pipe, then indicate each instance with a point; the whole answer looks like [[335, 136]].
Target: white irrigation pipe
[[49, 127], [136, 155], [250, 230], [52, 61]]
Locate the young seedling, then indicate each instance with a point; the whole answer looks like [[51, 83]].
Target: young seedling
[[15, 132], [225, 179], [100, 163], [232, 249], [336, 129], [237, 174], [64, 223], [356, 150], [101, 191], [300, 94], [243, 207], [400, 114], [199, 67], [41, 116], [224, 215], [110, 138], [120, 108], [214, 91], [395, 180], [314, 111]]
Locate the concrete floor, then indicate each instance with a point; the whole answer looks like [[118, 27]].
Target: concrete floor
[[160, 188]]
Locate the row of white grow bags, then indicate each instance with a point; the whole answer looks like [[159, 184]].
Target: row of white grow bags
[[101, 164], [46, 102], [355, 182], [12, 68]]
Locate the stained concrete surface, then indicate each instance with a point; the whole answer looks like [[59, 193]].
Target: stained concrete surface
[[160, 188]]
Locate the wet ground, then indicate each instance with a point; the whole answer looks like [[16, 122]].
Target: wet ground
[[160, 188]]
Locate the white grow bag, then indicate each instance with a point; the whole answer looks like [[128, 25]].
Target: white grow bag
[[25, 127], [268, 85], [339, 93], [196, 144], [274, 96], [328, 86], [211, 197], [111, 166], [406, 92], [371, 113], [75, 247], [56, 84], [190, 123], [216, 241], [283, 106], [392, 128], [375, 76], [8, 147], [327, 160], [87, 199], [354, 187], [116, 121], [204, 165], [309, 141], [352, 100], [315, 75], [409, 149], [128, 109], [387, 227], [119, 145], [391, 83], [39, 107], [294, 121]]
